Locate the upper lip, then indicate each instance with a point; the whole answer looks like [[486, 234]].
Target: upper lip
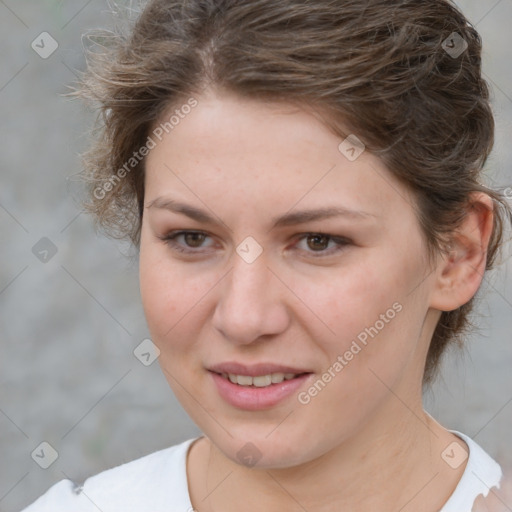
[[254, 370]]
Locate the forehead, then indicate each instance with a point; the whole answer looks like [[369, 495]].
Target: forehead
[[265, 155]]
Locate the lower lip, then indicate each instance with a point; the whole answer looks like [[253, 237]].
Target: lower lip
[[252, 398]]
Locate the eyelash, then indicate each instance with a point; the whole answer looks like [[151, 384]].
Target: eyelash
[[170, 238]]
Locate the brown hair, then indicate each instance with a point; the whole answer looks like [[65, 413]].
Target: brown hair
[[380, 67]]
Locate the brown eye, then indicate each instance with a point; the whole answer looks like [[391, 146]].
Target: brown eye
[[194, 239], [322, 244], [191, 242], [318, 242]]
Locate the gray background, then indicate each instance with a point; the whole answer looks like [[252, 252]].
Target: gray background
[[69, 326]]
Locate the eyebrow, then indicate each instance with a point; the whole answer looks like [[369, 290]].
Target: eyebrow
[[288, 219]]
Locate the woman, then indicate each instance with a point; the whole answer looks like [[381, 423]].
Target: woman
[[302, 180]]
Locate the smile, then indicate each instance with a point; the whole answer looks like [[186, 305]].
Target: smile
[[259, 392], [259, 381]]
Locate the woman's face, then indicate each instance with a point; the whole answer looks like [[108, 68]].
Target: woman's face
[[340, 294]]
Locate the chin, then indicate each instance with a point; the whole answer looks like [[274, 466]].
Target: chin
[[261, 451]]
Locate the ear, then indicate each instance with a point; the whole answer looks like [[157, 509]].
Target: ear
[[460, 273]]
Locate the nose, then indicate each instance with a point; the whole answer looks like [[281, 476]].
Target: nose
[[251, 303]]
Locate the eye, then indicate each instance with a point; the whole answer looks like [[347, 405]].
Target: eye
[[193, 240], [319, 242]]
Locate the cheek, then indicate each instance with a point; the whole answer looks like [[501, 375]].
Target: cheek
[[372, 317], [172, 296], [348, 300], [167, 297], [163, 291], [368, 353]]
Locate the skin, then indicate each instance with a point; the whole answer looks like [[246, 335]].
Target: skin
[[364, 442]]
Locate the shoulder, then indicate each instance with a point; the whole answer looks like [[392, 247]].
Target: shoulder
[[481, 475], [157, 481]]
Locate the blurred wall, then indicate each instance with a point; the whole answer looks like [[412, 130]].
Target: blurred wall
[[70, 312]]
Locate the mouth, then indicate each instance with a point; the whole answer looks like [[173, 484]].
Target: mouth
[[257, 387], [260, 381]]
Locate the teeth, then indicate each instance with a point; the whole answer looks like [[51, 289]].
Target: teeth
[[244, 380], [261, 381], [277, 378]]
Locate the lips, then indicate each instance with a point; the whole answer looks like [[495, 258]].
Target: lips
[[252, 398], [248, 387]]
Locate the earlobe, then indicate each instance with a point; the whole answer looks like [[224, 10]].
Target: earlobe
[[460, 271]]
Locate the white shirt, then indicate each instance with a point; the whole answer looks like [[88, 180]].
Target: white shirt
[[158, 483]]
